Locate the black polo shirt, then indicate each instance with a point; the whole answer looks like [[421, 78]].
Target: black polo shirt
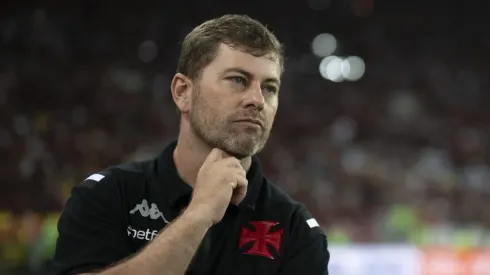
[[112, 215]]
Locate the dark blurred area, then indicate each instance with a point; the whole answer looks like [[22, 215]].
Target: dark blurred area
[[399, 155]]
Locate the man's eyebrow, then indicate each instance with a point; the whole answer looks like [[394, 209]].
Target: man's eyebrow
[[250, 75]]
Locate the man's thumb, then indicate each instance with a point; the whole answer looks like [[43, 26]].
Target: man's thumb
[[215, 155]]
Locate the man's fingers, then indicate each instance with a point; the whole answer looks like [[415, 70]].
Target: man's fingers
[[232, 162], [240, 190], [213, 156], [241, 172]]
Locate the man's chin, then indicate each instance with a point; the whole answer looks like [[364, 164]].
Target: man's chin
[[238, 154], [238, 147], [241, 153]]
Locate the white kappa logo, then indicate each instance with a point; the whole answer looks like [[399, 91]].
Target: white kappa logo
[[153, 212]]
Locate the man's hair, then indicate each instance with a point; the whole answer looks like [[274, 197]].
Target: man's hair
[[200, 46]]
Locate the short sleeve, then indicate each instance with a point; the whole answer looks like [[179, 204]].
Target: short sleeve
[[308, 252], [91, 228]]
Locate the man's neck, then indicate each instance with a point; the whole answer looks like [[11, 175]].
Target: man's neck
[[190, 155]]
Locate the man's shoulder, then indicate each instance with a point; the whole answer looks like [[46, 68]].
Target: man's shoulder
[[271, 194], [276, 194], [145, 168], [121, 173], [278, 199]]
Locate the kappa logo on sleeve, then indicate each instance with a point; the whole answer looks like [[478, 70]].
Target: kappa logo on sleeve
[[152, 212], [95, 177], [92, 180], [312, 223]]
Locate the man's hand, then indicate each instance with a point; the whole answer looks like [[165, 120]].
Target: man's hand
[[220, 180]]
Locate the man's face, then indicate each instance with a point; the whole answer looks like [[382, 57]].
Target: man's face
[[235, 100]]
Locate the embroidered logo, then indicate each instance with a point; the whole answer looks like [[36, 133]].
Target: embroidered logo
[[260, 238], [153, 212]]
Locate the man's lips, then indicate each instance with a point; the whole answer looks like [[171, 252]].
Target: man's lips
[[251, 120]]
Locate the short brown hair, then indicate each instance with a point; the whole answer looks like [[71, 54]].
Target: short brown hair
[[200, 46]]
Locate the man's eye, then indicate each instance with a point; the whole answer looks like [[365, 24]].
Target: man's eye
[[238, 79], [270, 89]]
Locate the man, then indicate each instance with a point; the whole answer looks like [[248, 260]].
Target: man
[[203, 206]]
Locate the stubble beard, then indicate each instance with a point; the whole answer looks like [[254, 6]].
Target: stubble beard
[[217, 132]]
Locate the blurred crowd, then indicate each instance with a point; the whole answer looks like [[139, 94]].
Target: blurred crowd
[[399, 156]]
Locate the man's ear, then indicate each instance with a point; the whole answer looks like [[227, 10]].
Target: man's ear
[[181, 92]]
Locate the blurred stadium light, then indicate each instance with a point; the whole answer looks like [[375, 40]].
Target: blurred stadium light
[[337, 69]]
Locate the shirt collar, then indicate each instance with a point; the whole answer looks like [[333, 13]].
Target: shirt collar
[[179, 192]]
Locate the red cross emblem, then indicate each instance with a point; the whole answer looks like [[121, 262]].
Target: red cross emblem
[[260, 238]]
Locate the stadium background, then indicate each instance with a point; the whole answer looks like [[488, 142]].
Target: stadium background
[[387, 148]]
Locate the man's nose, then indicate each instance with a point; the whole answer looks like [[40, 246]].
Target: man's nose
[[254, 97]]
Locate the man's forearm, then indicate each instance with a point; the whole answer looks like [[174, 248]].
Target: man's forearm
[[171, 252]]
